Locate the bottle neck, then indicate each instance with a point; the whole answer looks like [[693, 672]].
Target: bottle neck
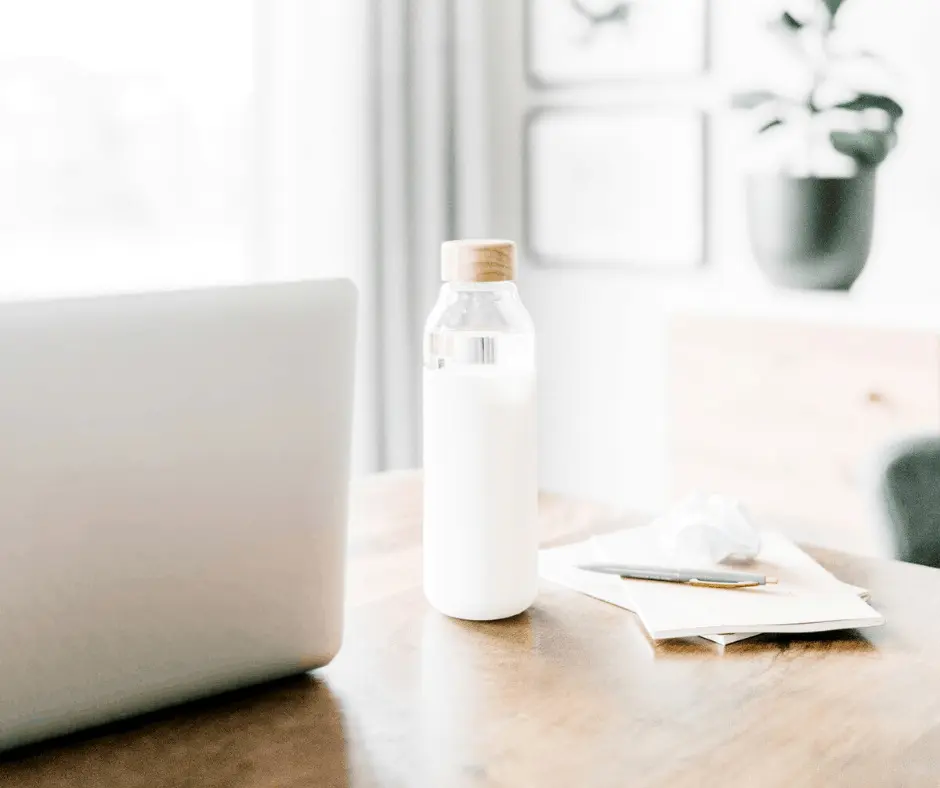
[[479, 306]]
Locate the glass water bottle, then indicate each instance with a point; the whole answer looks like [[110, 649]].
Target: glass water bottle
[[480, 485]]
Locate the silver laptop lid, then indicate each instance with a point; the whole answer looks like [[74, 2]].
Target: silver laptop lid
[[173, 486]]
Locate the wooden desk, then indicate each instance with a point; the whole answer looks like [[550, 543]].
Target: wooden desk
[[570, 694]]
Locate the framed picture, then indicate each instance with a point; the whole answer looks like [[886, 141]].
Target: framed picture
[[572, 42], [614, 188]]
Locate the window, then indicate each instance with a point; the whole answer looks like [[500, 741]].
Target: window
[[125, 141]]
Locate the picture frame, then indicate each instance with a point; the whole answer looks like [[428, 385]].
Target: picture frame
[[597, 195]]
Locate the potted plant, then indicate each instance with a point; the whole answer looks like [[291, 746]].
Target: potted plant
[[810, 217]]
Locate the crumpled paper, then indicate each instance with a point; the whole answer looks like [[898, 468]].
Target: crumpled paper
[[709, 527]]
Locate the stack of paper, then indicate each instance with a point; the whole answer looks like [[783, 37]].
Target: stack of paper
[[807, 598]]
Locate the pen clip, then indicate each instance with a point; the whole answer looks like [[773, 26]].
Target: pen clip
[[715, 584]]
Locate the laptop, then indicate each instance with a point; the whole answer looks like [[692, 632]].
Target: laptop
[[173, 495]]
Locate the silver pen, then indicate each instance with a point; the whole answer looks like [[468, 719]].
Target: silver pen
[[693, 577]]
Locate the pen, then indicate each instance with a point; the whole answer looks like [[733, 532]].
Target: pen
[[692, 577]]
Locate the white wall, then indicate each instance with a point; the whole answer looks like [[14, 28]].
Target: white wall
[[601, 333]]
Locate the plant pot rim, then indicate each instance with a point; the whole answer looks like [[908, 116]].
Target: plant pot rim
[[864, 172]]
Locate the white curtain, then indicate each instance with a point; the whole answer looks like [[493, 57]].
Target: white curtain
[[415, 145], [317, 168], [361, 178]]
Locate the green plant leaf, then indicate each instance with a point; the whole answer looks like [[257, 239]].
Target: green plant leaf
[[754, 98], [770, 124], [868, 148], [871, 101], [790, 22]]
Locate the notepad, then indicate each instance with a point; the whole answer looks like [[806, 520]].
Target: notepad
[[734, 637], [807, 597]]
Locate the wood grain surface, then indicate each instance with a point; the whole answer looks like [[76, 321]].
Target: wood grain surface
[[571, 693]]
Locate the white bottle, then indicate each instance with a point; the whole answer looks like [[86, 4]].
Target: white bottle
[[480, 485]]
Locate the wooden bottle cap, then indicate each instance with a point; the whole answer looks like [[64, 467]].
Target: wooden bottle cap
[[478, 261]]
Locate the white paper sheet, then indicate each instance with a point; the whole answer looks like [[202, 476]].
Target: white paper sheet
[[807, 599]]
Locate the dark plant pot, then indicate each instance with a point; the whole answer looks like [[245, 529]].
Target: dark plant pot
[[811, 233]]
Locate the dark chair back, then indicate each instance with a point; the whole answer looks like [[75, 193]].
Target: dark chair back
[[910, 498]]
